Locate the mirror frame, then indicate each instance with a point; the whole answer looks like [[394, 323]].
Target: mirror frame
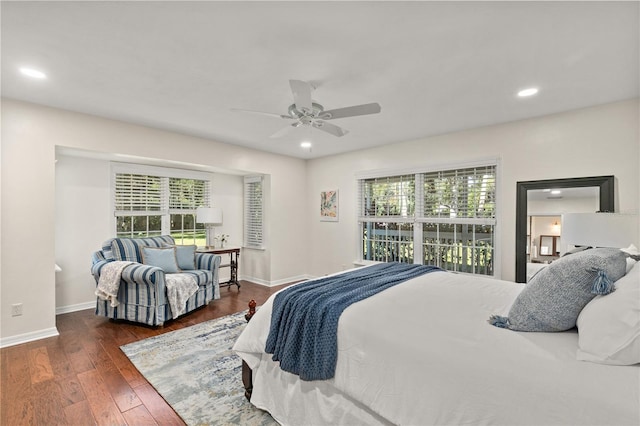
[[604, 183]]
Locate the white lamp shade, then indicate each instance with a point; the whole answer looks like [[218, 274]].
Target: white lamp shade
[[210, 215], [600, 229]]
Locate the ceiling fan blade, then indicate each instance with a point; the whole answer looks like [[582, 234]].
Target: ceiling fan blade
[[271, 114], [301, 95], [285, 130], [330, 128], [351, 111]]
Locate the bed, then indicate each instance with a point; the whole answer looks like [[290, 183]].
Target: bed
[[423, 353]]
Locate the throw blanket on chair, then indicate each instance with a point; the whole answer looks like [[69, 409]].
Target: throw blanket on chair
[[109, 282], [180, 287], [304, 321]]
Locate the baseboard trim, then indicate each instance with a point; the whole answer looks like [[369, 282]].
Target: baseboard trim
[[28, 337], [277, 282], [77, 307]]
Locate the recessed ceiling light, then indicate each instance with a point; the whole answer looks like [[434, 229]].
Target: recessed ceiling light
[[556, 192], [305, 144], [33, 73], [528, 92]]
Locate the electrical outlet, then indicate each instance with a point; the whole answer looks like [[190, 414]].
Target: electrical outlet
[[16, 309]]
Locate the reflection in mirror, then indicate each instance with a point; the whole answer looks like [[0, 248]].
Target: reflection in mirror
[[544, 216], [548, 246], [539, 209], [544, 213]]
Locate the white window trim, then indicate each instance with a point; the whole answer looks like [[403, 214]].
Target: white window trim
[[426, 168]]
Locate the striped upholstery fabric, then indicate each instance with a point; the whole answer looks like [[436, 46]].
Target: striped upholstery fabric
[[129, 249], [142, 292]]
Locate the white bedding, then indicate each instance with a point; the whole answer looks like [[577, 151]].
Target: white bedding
[[422, 353]]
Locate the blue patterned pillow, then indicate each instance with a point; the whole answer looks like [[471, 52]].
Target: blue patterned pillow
[[555, 296], [164, 258]]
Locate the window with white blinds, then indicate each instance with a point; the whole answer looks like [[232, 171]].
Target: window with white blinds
[[138, 194], [445, 218], [253, 212], [158, 204]]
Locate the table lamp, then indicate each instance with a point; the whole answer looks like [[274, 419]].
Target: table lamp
[[210, 216]]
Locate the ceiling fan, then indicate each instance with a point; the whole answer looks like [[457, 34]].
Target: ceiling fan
[[305, 112]]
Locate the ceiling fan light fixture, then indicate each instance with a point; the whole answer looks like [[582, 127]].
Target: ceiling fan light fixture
[[307, 113]]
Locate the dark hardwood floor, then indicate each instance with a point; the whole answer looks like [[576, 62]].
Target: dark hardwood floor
[[81, 377]]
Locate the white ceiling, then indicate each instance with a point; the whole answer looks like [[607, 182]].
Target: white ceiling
[[434, 67]]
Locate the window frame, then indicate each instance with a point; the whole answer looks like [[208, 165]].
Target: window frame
[[418, 221], [165, 174]]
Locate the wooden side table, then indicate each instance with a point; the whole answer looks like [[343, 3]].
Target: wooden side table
[[234, 256]]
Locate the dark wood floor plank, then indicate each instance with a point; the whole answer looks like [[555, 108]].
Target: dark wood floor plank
[[120, 390], [104, 409], [82, 377], [158, 407], [139, 416], [70, 390], [40, 365], [80, 414], [80, 361], [17, 403], [126, 368], [60, 364], [47, 405]]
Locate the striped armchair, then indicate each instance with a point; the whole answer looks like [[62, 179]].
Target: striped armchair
[[142, 291]]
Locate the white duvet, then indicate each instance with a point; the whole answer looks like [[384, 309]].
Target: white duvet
[[422, 353]]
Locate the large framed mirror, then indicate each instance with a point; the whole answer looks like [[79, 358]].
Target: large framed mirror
[[604, 184]]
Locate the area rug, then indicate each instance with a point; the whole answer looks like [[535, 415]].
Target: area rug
[[197, 373]]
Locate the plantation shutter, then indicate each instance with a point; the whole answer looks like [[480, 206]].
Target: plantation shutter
[[137, 194], [188, 194], [460, 193], [390, 197], [253, 212]]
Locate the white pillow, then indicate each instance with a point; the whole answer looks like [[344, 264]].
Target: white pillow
[[609, 326], [633, 250]]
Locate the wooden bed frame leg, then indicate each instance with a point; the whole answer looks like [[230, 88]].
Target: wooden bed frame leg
[[247, 374], [247, 380], [252, 310]]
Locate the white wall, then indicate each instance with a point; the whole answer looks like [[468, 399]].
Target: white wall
[[30, 135], [82, 222], [594, 141]]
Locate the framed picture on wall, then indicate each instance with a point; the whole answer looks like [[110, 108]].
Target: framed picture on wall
[[329, 206]]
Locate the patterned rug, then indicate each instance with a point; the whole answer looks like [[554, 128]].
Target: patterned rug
[[197, 373]]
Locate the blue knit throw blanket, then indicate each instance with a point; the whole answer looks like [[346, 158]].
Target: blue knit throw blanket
[[304, 321]]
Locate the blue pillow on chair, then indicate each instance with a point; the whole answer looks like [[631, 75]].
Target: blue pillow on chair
[[186, 256], [162, 257]]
